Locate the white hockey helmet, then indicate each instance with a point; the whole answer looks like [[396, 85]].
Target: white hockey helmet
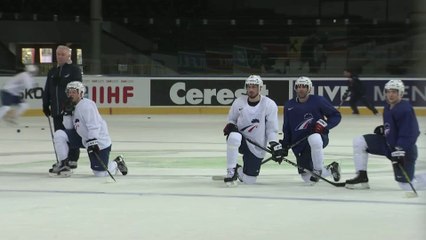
[[305, 81], [76, 85], [396, 84], [254, 80], [31, 69]]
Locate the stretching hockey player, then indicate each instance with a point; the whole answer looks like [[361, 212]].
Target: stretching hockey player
[[309, 117], [395, 139], [256, 117], [85, 128], [11, 93]]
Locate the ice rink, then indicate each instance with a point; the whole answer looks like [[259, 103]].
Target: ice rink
[[169, 192]]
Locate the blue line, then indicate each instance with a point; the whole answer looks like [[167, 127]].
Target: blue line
[[216, 196]]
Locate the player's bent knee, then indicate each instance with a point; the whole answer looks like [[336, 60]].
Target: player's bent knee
[[60, 136], [249, 179], [306, 177], [359, 142], [315, 140], [234, 140]]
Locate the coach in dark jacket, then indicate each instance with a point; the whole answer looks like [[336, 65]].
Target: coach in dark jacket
[[356, 92], [54, 96]]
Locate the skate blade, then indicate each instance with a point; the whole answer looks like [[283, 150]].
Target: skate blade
[[359, 186], [218, 178], [231, 184], [60, 175]]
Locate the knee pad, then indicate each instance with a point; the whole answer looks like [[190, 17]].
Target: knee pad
[[60, 137], [359, 143], [246, 178], [306, 177], [315, 141], [234, 140]]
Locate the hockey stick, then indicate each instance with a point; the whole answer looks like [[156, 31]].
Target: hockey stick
[[103, 165], [407, 179], [297, 166], [53, 142]]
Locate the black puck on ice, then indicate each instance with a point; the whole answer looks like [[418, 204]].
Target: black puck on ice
[[26, 126], [42, 128], [18, 130]]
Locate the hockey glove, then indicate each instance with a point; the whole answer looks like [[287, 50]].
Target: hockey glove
[[230, 127], [398, 156], [68, 107], [46, 111], [92, 146], [320, 126], [380, 130], [276, 151]]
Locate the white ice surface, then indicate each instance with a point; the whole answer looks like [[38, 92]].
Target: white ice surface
[[169, 193]]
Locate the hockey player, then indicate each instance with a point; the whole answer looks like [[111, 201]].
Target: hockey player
[[395, 139], [256, 117], [311, 117], [85, 128], [12, 90]]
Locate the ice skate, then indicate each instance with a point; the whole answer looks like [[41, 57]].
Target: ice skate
[[334, 168], [72, 164], [60, 169], [231, 178], [358, 182], [121, 165], [314, 179]]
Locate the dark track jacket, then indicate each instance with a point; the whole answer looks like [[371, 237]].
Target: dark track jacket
[[54, 95]]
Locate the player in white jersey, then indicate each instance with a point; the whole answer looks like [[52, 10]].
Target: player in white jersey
[[85, 128], [12, 90], [252, 116]]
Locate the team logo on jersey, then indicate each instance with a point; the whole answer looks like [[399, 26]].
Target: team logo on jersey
[[254, 124], [76, 123], [387, 128], [308, 118]]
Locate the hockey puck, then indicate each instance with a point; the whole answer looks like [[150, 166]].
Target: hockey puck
[[26, 126], [42, 128], [18, 130], [149, 117]]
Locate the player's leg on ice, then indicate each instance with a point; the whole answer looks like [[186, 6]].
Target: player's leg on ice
[[362, 146], [61, 168], [233, 143], [317, 143], [113, 166], [251, 165]]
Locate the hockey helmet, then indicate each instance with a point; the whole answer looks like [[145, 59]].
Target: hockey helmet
[[76, 85], [396, 84], [254, 80], [305, 81]]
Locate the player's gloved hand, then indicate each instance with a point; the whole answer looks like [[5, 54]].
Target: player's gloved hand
[[68, 107], [320, 126], [277, 151], [46, 111], [345, 96], [92, 146], [397, 156], [380, 130], [230, 127], [285, 148]]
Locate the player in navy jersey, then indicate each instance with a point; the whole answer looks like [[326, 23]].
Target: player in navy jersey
[[310, 117], [395, 139]]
